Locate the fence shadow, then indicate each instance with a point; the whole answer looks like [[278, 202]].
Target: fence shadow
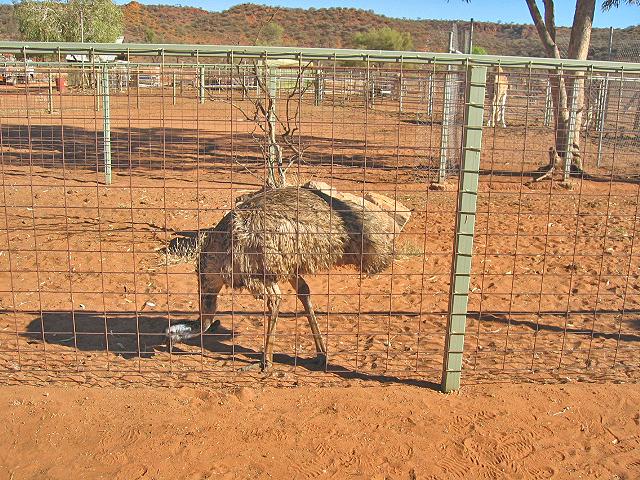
[[133, 335], [180, 150], [503, 318], [170, 148]]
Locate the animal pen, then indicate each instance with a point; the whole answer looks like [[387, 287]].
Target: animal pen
[[518, 261]]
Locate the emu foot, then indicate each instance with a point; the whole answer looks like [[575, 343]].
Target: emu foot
[[264, 365]]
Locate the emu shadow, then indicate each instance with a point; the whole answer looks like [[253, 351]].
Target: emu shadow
[[127, 334], [130, 335], [348, 374]]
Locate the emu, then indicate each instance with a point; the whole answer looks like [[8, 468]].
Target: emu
[[499, 98], [280, 235]]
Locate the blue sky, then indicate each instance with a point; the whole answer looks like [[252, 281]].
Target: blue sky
[[507, 11]]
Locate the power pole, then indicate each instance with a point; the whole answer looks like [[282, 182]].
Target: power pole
[[81, 26]]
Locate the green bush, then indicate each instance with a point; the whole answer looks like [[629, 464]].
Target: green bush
[[384, 38]]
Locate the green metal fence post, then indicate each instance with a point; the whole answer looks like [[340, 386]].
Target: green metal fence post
[[548, 105], [446, 120], [465, 224], [430, 95], [50, 90], [98, 84], [401, 91], [201, 84], [319, 86], [173, 87], [181, 81], [138, 89], [106, 115], [571, 134], [601, 108]]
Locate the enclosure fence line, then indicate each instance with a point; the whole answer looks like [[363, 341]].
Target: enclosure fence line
[[277, 92]]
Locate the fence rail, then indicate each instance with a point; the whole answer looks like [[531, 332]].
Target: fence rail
[[196, 52], [520, 245]]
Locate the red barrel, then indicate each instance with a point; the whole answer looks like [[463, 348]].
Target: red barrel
[[60, 83]]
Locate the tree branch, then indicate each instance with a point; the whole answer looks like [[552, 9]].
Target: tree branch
[[547, 41], [264, 24], [549, 19]]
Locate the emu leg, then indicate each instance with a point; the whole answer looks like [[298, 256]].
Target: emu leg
[[502, 111], [273, 304], [210, 286], [492, 117], [304, 295]]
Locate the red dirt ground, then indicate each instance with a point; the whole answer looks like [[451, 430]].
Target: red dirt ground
[[497, 431]]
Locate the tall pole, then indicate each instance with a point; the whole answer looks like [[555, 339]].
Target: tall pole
[[82, 41], [604, 103], [106, 110], [81, 26]]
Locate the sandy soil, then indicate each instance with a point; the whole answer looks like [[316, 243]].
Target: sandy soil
[[398, 432]]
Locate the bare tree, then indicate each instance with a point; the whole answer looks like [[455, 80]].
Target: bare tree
[[563, 86], [274, 130]]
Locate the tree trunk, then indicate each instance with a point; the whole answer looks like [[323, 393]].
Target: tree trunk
[[563, 86], [579, 49]]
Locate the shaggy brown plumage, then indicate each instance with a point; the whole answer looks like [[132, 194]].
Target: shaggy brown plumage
[[279, 235]]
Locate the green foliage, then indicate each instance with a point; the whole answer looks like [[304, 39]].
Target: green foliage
[[150, 35], [41, 21], [384, 38], [52, 20], [103, 20], [476, 50], [271, 35], [609, 4]]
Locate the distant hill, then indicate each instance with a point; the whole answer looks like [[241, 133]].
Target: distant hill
[[8, 26], [324, 27]]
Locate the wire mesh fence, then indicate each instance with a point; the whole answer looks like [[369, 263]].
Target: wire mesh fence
[[555, 267], [122, 180]]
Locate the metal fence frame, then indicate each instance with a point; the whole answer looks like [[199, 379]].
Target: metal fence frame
[[476, 67]]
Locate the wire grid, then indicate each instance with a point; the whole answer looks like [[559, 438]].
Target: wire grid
[[92, 274], [554, 292]]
